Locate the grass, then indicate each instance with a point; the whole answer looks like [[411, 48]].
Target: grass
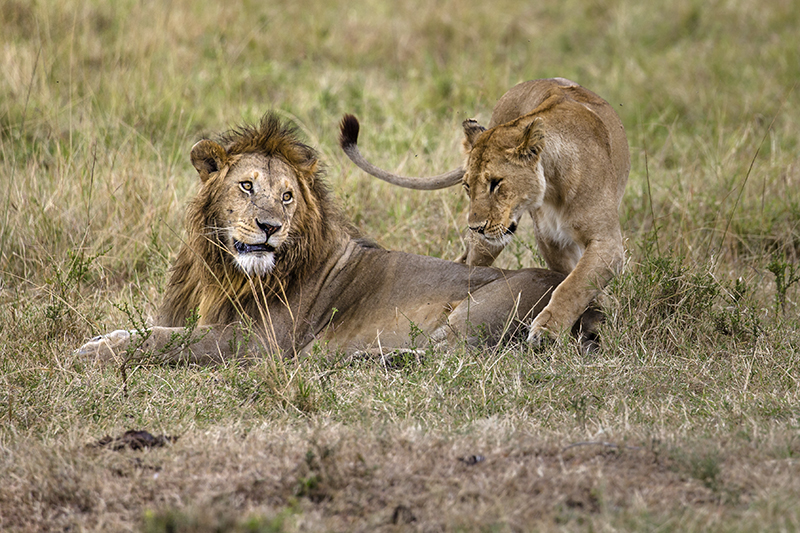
[[687, 418]]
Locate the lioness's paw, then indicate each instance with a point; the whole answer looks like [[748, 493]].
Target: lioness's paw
[[105, 347], [541, 334], [539, 338], [539, 326]]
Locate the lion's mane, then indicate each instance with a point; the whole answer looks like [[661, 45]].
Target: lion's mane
[[204, 275]]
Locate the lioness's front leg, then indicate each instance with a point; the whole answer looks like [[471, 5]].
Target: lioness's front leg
[[601, 260]]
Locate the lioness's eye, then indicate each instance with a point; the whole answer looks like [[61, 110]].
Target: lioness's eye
[[246, 186], [493, 185], [287, 197], [466, 186]]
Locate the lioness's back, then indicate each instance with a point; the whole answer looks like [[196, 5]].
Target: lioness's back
[[528, 96], [525, 97]]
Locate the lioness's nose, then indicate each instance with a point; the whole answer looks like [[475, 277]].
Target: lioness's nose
[[268, 228], [478, 229]]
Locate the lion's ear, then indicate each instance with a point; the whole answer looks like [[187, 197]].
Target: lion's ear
[[208, 157], [308, 164], [532, 142], [311, 167], [471, 132]]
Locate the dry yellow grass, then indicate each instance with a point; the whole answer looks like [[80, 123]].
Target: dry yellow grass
[[689, 410]]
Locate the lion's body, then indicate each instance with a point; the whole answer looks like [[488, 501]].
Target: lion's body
[[554, 150], [266, 247]]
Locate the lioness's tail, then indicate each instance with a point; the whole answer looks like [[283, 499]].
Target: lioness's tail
[[349, 132], [348, 140]]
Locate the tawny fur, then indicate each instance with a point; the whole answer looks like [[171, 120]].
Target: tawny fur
[[554, 150], [323, 285]]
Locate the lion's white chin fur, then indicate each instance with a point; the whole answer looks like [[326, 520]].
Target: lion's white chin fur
[[256, 264]]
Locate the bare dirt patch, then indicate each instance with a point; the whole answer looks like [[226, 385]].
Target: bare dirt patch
[[135, 439]]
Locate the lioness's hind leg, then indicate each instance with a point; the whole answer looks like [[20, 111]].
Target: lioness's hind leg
[[586, 329]]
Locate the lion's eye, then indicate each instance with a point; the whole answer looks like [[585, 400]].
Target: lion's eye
[[466, 187], [494, 184], [287, 197], [246, 186]]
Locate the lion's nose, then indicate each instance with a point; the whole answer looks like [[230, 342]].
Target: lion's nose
[[268, 228]]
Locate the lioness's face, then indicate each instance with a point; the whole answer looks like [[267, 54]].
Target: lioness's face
[[259, 197], [495, 207], [503, 178]]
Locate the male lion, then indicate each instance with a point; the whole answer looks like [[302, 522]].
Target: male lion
[[557, 151], [267, 247]]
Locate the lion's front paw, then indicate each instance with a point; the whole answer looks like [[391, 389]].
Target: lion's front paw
[[105, 347]]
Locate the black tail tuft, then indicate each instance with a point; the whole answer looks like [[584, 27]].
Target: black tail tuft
[[349, 131]]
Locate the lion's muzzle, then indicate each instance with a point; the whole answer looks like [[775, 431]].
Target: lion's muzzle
[[479, 229], [244, 248], [269, 230]]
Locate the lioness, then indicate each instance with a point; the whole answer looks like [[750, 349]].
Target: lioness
[[558, 152], [266, 246]]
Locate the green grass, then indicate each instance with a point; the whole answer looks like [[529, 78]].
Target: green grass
[[688, 417]]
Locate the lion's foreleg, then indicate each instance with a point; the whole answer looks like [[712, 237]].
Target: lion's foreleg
[[109, 347], [171, 345]]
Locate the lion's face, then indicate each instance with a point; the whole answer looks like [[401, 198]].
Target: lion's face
[[503, 178], [258, 202], [256, 198]]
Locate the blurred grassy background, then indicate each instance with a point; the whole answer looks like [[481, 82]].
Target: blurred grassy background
[[100, 103]]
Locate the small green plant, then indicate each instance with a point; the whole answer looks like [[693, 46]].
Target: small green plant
[[316, 479], [706, 468], [304, 399], [78, 267], [414, 332], [786, 274], [239, 343], [739, 317], [136, 318], [180, 341], [579, 405]]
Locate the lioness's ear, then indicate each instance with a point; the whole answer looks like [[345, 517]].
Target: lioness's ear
[[532, 142], [471, 131], [208, 157]]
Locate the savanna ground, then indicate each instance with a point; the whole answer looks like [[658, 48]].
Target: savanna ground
[[686, 419]]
